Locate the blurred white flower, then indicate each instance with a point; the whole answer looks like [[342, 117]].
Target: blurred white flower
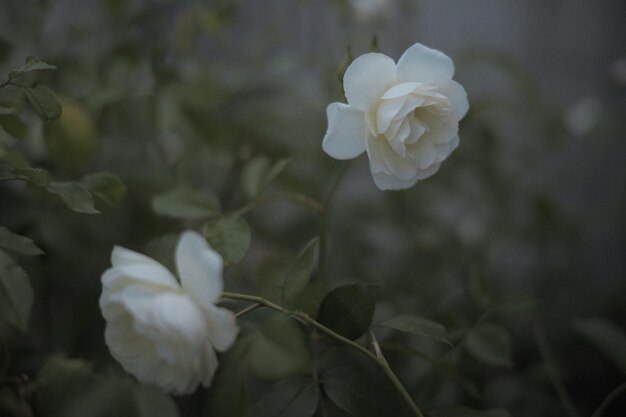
[[406, 116], [163, 331], [369, 9], [582, 116]]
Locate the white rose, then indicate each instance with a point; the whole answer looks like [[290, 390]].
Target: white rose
[[406, 116], [163, 331]]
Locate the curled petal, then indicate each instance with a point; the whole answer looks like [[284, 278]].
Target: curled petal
[[367, 78], [420, 63], [223, 328], [424, 153], [345, 137], [389, 182], [199, 268], [457, 96], [135, 266]]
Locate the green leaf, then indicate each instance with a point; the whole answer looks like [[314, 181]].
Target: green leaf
[[348, 310], [227, 396], [13, 125], [16, 293], [162, 249], [153, 402], [32, 64], [278, 350], [186, 203], [60, 381], [418, 325], [18, 243], [74, 195], [36, 176], [299, 273], [455, 411], [44, 102], [290, 398], [491, 344], [607, 337], [356, 389], [257, 175], [107, 187], [229, 236]]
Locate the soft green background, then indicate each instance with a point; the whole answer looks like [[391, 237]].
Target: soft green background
[[513, 253]]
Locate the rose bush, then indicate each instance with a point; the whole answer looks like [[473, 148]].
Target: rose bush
[[406, 116], [163, 331]]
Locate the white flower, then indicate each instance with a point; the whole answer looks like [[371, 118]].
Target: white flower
[[369, 9], [406, 116], [163, 331]]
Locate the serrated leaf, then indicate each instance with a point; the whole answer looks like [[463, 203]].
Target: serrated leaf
[[44, 102], [74, 195], [13, 125], [607, 337], [278, 350], [36, 176], [107, 187], [229, 236], [32, 64], [490, 344], [418, 325], [348, 310], [455, 411], [299, 273], [184, 202], [291, 398], [257, 175], [18, 243], [16, 293]]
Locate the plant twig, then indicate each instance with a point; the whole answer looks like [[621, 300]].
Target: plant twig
[[548, 359], [248, 310], [325, 217], [609, 399], [306, 319]]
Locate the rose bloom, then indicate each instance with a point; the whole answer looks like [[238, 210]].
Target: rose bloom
[[405, 115], [162, 330]]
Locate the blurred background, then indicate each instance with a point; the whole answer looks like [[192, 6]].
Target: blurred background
[[524, 226]]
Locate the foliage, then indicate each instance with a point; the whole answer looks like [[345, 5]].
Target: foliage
[[138, 120]]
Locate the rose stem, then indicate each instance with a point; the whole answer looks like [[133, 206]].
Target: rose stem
[[378, 358]]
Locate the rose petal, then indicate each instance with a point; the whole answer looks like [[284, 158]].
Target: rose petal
[[209, 366], [155, 274], [457, 96], [423, 152], [399, 166], [199, 268], [223, 327], [367, 78], [375, 154], [400, 90], [389, 182], [345, 137], [422, 174], [420, 63], [387, 111]]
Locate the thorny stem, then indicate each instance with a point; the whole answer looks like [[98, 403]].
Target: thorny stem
[[548, 359], [306, 319], [609, 399], [325, 217]]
